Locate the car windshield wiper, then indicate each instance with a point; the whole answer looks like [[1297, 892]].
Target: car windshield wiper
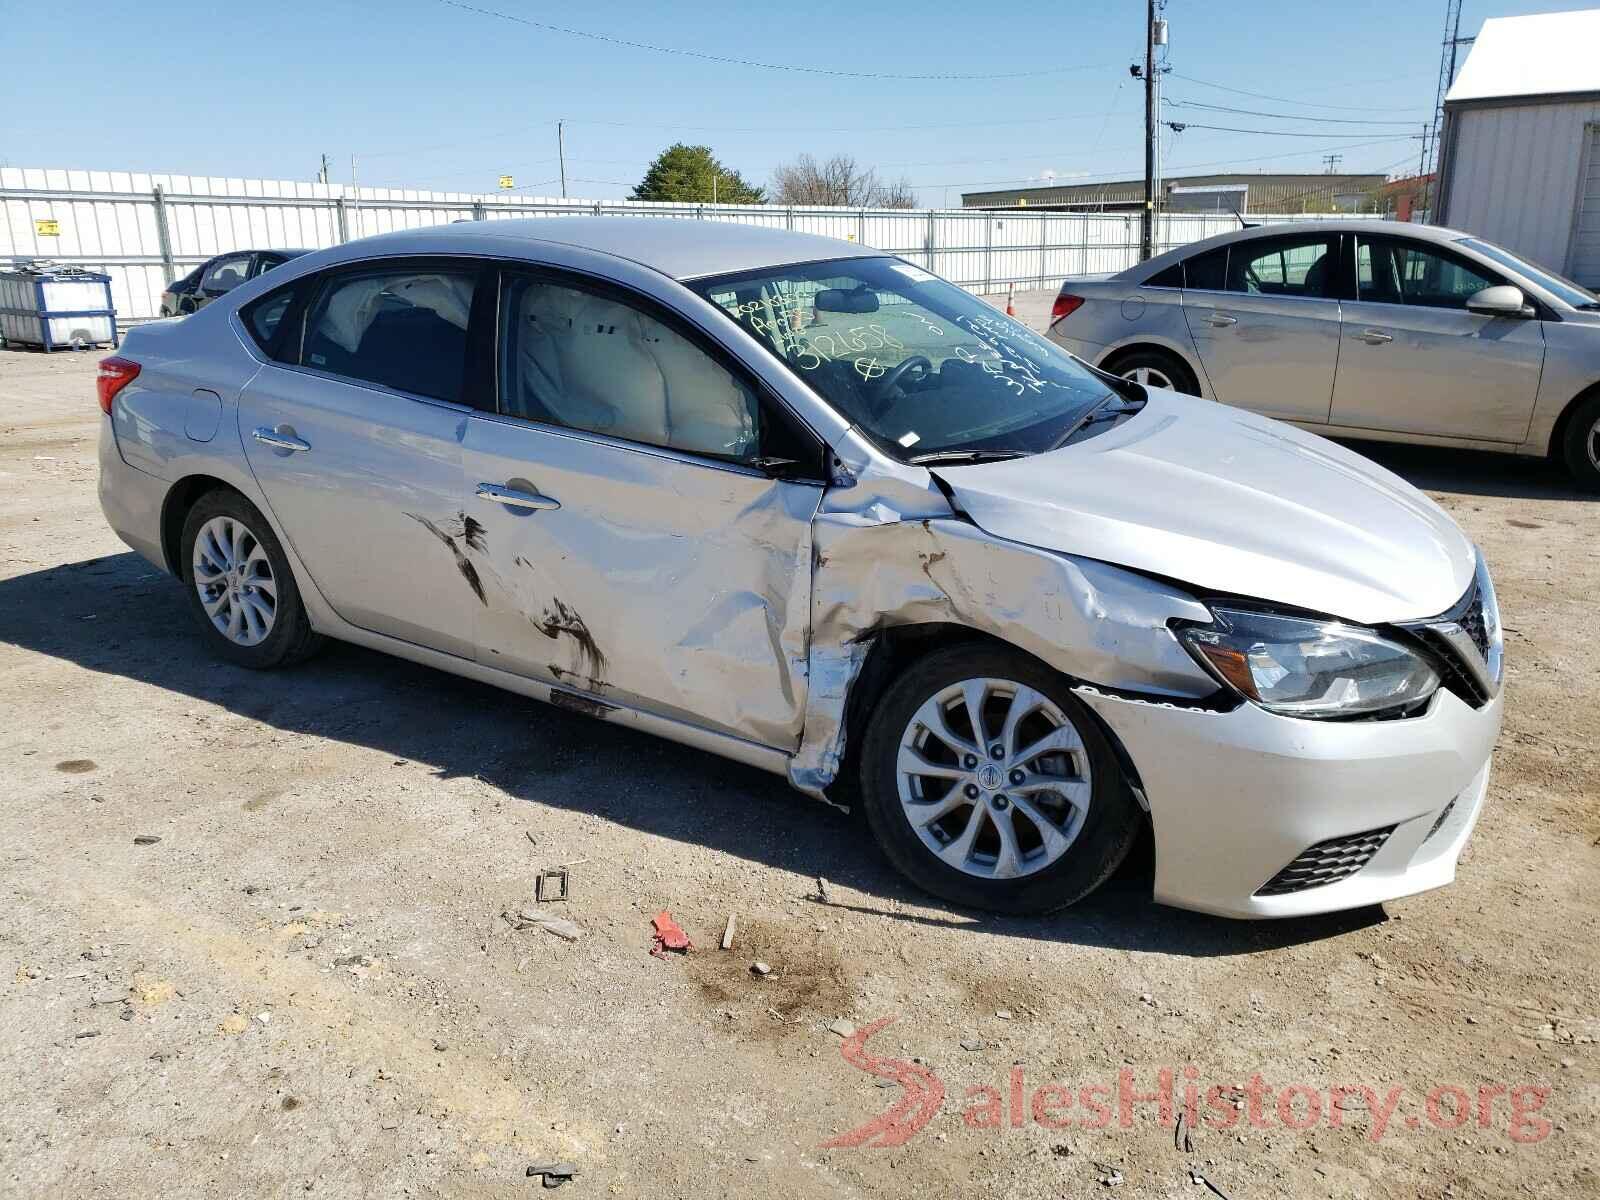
[[1103, 411], [948, 457]]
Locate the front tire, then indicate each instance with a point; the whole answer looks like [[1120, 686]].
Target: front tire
[[1581, 445], [987, 783], [240, 587]]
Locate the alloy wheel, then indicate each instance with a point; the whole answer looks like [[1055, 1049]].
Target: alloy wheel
[[994, 778], [1592, 445], [233, 575], [1151, 377]]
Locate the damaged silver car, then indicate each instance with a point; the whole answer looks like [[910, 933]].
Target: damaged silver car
[[808, 506]]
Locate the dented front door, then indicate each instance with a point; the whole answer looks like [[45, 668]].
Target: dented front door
[[642, 577]]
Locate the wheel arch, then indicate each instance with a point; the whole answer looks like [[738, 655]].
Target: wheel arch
[[892, 651], [1558, 432], [1148, 345], [181, 497]]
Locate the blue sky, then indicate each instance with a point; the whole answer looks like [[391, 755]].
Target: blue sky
[[429, 94]]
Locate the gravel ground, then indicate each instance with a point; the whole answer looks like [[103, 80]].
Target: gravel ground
[[307, 984]]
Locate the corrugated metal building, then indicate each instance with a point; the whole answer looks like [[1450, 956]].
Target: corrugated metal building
[[1240, 193], [1521, 142]]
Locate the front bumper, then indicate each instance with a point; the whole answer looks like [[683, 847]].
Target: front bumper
[[1235, 797]]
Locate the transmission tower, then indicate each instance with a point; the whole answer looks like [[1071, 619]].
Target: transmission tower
[[1453, 41]]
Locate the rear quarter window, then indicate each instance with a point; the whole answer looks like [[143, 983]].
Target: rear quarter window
[[264, 320]]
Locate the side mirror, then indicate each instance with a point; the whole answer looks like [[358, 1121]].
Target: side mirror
[[1500, 301]]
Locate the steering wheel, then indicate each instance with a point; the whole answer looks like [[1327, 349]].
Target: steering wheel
[[882, 389]]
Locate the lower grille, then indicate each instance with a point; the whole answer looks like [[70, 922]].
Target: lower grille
[[1327, 862]]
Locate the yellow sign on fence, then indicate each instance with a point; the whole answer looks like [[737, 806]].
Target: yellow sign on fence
[[47, 227], [506, 182]]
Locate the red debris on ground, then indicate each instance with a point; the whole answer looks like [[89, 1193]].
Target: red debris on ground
[[669, 935]]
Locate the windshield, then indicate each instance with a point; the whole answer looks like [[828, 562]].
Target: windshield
[[1563, 289], [919, 365]]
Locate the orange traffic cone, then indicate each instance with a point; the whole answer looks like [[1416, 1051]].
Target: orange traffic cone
[[1011, 308]]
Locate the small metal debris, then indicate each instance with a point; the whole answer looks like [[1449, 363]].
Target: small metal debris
[[551, 885], [841, 1027], [532, 918], [528, 833], [145, 839], [1109, 1176], [972, 1044], [727, 933], [87, 1033], [554, 1174], [1003, 1014], [669, 935], [439, 1046], [823, 892], [760, 968]]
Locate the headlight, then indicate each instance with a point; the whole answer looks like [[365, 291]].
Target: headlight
[[1307, 668]]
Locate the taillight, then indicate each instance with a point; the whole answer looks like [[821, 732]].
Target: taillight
[[1064, 306], [115, 374]]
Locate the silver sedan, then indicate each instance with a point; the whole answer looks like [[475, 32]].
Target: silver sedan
[[1362, 329], [798, 503]]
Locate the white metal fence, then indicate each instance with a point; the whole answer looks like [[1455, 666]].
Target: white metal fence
[[145, 230]]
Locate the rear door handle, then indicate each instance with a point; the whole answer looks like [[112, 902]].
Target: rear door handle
[[517, 499], [280, 441], [1375, 337], [1221, 320]]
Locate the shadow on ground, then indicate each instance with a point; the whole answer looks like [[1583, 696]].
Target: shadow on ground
[[1474, 472], [119, 616]]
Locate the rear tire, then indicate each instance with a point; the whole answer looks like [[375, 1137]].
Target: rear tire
[[1580, 445], [1155, 368], [993, 826], [240, 587]]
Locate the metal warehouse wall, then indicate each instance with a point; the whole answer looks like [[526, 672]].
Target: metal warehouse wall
[[145, 230], [1512, 175]]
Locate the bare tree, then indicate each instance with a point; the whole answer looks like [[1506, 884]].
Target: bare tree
[[839, 180]]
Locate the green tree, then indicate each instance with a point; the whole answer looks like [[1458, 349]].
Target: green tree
[[690, 174]]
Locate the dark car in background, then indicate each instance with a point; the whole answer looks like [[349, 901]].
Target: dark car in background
[[217, 277]]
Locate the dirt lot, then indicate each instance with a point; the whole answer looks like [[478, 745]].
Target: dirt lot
[[307, 985]]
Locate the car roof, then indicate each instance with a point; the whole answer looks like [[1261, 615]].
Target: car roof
[[1426, 233], [679, 248]]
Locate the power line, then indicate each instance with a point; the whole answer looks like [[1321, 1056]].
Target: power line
[[1111, 173], [1311, 133], [1222, 87], [611, 39], [1256, 112]]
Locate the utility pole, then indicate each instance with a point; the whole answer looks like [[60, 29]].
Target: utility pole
[[561, 153], [1147, 224], [322, 175], [355, 196], [1331, 162]]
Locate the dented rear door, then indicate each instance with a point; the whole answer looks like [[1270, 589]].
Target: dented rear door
[[643, 577]]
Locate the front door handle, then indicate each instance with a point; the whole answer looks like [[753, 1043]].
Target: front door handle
[[280, 441], [515, 498], [1375, 337], [1221, 320]]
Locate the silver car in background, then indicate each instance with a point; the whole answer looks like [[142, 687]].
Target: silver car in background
[[798, 503], [1362, 329]]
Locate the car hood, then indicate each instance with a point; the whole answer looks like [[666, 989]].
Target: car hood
[[1230, 502]]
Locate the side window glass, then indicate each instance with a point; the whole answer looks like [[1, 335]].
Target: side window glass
[[404, 329], [264, 316], [1207, 272], [1435, 280], [582, 359], [1172, 277], [225, 274], [1281, 267]]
